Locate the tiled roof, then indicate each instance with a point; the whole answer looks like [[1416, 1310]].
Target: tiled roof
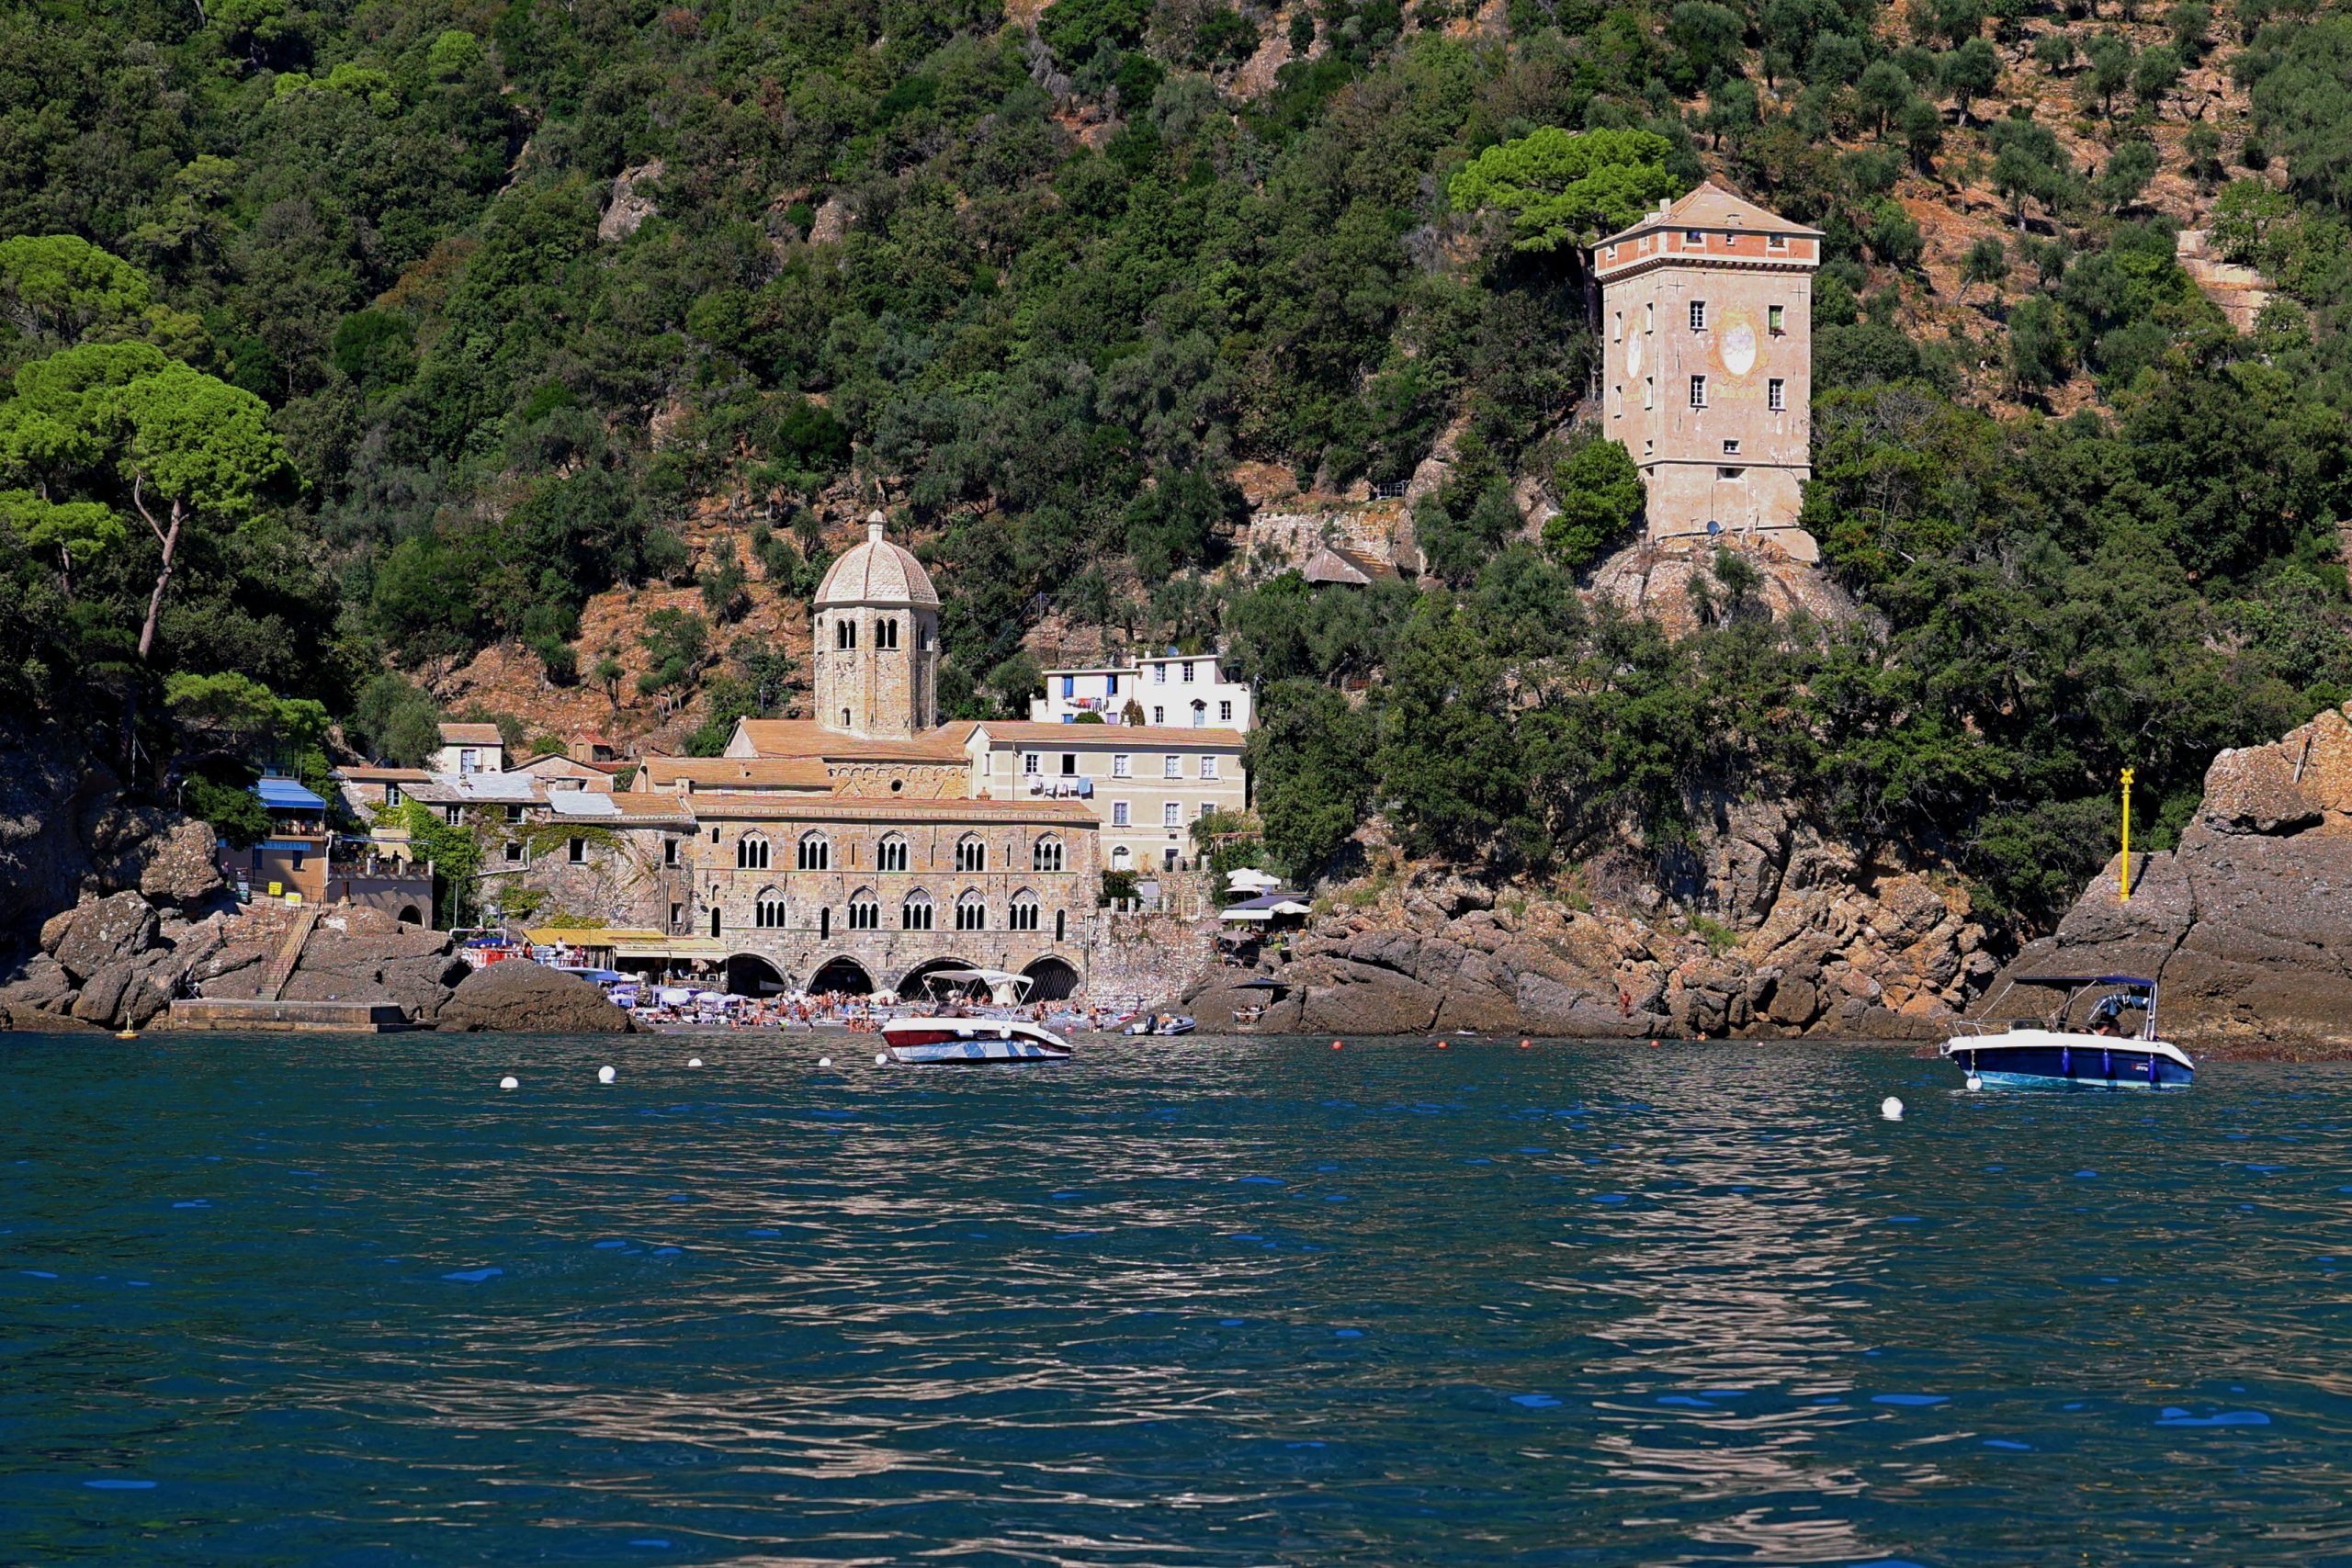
[[876, 572], [712, 805], [1108, 736], [379, 775], [734, 772], [1709, 206], [471, 735], [776, 737]]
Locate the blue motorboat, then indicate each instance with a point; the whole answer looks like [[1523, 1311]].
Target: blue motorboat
[[2116, 1045]]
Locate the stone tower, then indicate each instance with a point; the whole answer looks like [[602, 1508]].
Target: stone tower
[[878, 642], [1706, 310]]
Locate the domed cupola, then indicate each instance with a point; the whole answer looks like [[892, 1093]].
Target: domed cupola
[[877, 641]]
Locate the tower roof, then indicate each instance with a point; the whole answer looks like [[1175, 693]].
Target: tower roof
[[1708, 205], [878, 572]]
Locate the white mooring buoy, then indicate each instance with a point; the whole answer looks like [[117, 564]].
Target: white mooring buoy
[[824, 1061], [510, 1083], [606, 1075], [881, 1059], [1975, 1083], [694, 1061], [1892, 1109]]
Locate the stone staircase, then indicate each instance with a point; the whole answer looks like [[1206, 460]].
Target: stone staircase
[[290, 953]]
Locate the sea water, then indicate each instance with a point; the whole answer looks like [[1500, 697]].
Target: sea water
[[1215, 1302]]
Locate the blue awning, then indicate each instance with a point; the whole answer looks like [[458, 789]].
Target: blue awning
[[284, 795]]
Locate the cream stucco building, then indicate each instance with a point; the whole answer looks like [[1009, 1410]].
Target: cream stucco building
[[1706, 311]]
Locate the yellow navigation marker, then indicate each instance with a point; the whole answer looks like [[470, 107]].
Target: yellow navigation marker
[[2127, 836]]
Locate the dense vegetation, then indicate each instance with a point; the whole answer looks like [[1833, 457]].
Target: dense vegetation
[[324, 379]]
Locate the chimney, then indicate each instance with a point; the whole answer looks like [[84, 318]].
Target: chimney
[[874, 527]]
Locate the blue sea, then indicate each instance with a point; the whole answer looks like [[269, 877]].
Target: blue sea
[[343, 1302]]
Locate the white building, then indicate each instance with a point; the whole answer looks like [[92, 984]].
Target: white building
[[1174, 690], [470, 749], [1145, 785]]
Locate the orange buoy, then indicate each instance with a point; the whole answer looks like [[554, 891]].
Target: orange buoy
[[1439, 1043], [1335, 1045], [1653, 1045], [1527, 1044]]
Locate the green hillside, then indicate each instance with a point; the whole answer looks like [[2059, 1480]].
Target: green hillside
[[315, 296]]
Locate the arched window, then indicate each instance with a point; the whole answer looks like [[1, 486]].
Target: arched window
[[845, 634], [971, 854], [972, 912], [1023, 915], [816, 853], [891, 853], [751, 853], [1120, 857], [1046, 855], [886, 633], [767, 909], [915, 911], [865, 910]]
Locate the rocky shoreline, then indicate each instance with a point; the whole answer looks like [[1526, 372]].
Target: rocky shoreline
[[2247, 925]]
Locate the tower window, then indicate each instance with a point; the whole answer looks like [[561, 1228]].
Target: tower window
[[1776, 397], [1729, 473], [1617, 321], [1649, 391], [1698, 315], [1618, 412], [845, 635], [886, 634], [1694, 236], [1698, 391], [1776, 319], [1776, 242], [1731, 446]]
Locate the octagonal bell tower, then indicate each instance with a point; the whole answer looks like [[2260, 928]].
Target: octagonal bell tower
[[878, 642]]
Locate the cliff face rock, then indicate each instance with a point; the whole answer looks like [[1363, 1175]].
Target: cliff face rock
[[1829, 950], [530, 998], [2247, 926]]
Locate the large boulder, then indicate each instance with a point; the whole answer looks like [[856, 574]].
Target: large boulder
[[107, 931], [364, 955], [180, 869], [522, 997]]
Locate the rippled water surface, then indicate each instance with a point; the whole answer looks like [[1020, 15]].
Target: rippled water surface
[[1200, 1301]]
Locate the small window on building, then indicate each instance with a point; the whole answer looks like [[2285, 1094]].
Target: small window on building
[[677, 913], [1159, 675], [453, 815], [392, 794], [1033, 763], [1649, 317], [1775, 319], [1698, 391], [1729, 473], [1776, 397], [1069, 764], [1694, 236], [1159, 715], [576, 850], [1187, 676], [668, 851], [1118, 814], [1776, 242], [1208, 767], [1200, 715], [1069, 686], [1731, 445], [1618, 402], [1698, 315], [1649, 391], [1616, 322], [1171, 767], [514, 853], [514, 813], [1114, 686], [1225, 713], [1171, 815], [1119, 763]]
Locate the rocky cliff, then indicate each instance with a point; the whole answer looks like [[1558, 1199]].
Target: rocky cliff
[[2247, 925], [1794, 937]]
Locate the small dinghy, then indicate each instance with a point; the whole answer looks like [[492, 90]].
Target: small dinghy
[[2110, 1050], [1161, 1024], [966, 1041]]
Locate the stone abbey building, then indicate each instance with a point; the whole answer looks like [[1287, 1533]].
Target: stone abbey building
[[1706, 310]]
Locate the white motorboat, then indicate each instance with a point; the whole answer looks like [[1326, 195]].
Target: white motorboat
[[968, 1042], [2107, 1052]]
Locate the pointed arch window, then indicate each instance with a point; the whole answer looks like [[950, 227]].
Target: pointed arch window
[[865, 910], [971, 852], [1023, 915], [768, 910], [816, 853], [1046, 854], [972, 912], [886, 632], [891, 854], [915, 911], [845, 635], [751, 853]]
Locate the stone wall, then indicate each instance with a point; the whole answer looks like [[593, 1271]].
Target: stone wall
[[1146, 960], [901, 781]]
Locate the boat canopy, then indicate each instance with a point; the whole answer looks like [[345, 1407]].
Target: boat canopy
[[2145, 985]]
